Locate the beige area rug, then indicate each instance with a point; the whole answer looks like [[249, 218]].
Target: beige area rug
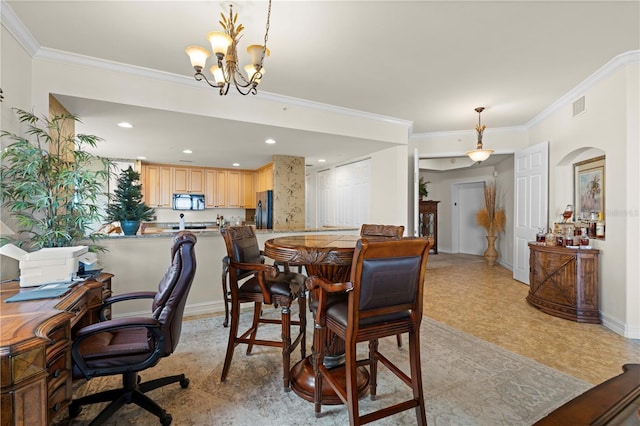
[[467, 381]]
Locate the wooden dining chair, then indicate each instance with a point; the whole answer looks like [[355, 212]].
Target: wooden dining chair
[[251, 280], [384, 299], [383, 231]]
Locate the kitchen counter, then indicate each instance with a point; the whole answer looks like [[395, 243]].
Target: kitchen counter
[[167, 231]]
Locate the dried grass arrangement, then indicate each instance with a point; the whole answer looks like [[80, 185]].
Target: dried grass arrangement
[[490, 217]]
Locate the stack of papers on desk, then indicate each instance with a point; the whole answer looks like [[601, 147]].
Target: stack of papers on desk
[[45, 291]]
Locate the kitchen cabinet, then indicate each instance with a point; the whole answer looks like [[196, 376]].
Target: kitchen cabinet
[[222, 188], [210, 187], [265, 178], [248, 190], [234, 184], [188, 179], [156, 186], [563, 282]]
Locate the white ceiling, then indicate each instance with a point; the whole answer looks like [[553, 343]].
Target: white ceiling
[[428, 62]]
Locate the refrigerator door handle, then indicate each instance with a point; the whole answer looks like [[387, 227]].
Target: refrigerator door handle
[[259, 215]]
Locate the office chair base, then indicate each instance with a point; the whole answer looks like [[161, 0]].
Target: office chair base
[[132, 392]]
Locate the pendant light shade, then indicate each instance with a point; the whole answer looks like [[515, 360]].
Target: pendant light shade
[[479, 154]]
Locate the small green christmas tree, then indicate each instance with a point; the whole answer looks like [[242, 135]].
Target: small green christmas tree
[[126, 202]]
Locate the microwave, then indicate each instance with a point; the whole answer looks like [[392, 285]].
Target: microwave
[[188, 201]]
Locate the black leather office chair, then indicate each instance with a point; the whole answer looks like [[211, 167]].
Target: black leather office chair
[[128, 345], [384, 298]]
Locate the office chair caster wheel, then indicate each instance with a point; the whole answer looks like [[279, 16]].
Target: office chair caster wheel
[[74, 410], [166, 419], [184, 383]]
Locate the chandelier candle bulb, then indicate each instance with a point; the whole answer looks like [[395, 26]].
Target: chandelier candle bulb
[[198, 56], [220, 43]]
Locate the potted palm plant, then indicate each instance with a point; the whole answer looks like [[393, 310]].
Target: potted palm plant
[[51, 186], [423, 191], [126, 205]]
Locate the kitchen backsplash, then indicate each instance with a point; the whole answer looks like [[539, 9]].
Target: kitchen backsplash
[[208, 215]]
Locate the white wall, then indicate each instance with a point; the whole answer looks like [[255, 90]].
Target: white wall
[[608, 125], [15, 78], [440, 189]]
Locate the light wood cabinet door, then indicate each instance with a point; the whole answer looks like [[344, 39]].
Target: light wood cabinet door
[[196, 180], [221, 188], [264, 180], [210, 188], [234, 185], [188, 180], [157, 186], [248, 190]]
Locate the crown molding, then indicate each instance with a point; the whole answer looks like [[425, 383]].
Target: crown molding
[[14, 25], [54, 55], [627, 58]]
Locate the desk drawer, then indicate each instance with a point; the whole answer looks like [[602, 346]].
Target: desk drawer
[[60, 396], [59, 365]]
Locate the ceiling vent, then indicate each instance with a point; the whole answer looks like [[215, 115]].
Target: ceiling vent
[[578, 106]]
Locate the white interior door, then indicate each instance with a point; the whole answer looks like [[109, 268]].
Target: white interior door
[[416, 177], [531, 210], [471, 236]]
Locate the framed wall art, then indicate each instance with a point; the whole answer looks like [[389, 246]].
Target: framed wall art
[[589, 187]]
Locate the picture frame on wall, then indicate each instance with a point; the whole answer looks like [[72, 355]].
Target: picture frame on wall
[[589, 187]]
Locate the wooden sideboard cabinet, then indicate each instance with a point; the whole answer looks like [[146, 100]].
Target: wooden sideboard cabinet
[[564, 282], [35, 349], [428, 216]]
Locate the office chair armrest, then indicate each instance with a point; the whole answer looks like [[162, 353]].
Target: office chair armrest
[[151, 324], [122, 297]]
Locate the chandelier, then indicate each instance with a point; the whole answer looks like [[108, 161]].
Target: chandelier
[[479, 154], [224, 45]]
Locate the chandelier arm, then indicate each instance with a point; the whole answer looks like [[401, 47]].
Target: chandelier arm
[[199, 77]]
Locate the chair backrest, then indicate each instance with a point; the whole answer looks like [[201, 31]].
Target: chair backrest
[[381, 231], [242, 246], [388, 277], [169, 301]]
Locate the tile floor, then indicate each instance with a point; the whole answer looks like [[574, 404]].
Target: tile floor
[[463, 292]]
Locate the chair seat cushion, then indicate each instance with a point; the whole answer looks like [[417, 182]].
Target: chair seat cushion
[[123, 348], [128, 341], [288, 284], [338, 312]]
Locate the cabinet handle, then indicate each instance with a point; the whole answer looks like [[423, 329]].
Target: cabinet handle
[[57, 406], [57, 373]]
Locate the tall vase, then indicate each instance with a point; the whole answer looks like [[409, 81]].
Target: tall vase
[[491, 254]]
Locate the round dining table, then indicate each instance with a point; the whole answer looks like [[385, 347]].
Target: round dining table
[[328, 256]]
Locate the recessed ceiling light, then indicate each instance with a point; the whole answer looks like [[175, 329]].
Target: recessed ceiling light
[[270, 141], [125, 125], [322, 160], [187, 151], [140, 157], [236, 164]]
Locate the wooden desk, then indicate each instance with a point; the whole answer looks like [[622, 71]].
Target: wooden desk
[[615, 401], [35, 349], [328, 256]]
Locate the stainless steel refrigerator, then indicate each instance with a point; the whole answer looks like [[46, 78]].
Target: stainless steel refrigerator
[[264, 210]]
